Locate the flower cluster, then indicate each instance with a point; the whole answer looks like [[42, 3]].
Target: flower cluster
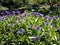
[[11, 12], [37, 14], [21, 31], [32, 27]]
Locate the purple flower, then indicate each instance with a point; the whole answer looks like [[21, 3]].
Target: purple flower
[[37, 27], [13, 12], [48, 17], [23, 15], [46, 23], [1, 17], [36, 13], [8, 12], [30, 27], [54, 17], [21, 31], [17, 12], [36, 37], [41, 15], [58, 28], [2, 13]]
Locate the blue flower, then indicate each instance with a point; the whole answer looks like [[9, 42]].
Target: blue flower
[[30, 27], [58, 28], [21, 31], [13, 12], [36, 37], [17, 12], [37, 27], [1, 17], [46, 23], [23, 15], [48, 17], [2, 13], [54, 17], [8, 12], [41, 15], [36, 13]]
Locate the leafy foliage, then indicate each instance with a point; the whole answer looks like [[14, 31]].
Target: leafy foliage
[[17, 29], [38, 25]]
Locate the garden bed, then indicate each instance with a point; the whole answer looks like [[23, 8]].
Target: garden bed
[[29, 29]]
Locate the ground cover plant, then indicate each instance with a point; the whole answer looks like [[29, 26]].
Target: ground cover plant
[[31, 28], [29, 22]]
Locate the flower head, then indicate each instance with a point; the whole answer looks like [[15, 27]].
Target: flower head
[[13, 12], [58, 28], [48, 17], [2, 13], [36, 13], [30, 27], [36, 37], [17, 12], [54, 17], [23, 15], [37, 27], [21, 31], [7, 12], [41, 15], [1, 17], [46, 23]]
